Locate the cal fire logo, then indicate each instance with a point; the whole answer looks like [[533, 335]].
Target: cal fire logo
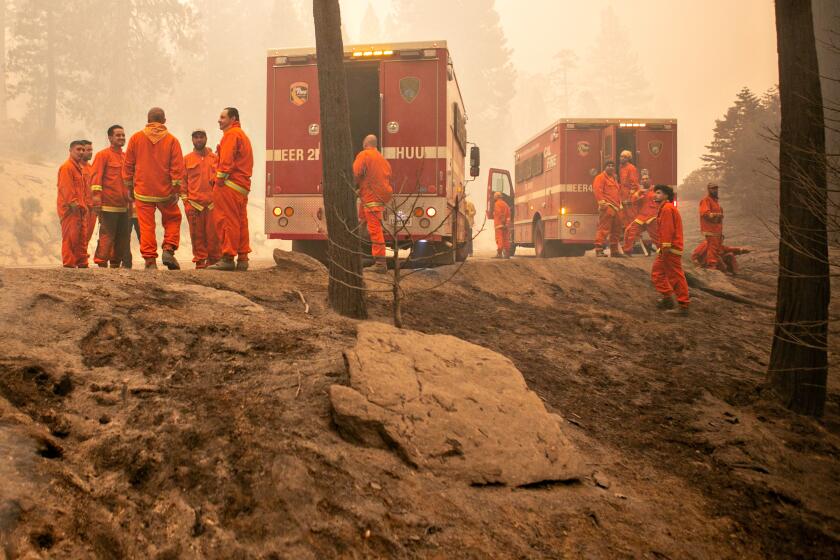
[[409, 88], [299, 93], [655, 147], [583, 148]]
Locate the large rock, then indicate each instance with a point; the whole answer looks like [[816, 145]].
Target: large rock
[[451, 407]]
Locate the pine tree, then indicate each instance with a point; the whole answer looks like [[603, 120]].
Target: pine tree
[[96, 69], [728, 129], [565, 64], [612, 63], [45, 61], [482, 62], [370, 30]]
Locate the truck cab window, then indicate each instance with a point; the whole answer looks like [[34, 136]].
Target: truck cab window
[[501, 183]]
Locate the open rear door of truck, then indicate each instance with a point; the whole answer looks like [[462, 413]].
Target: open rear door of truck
[[498, 180], [414, 123], [657, 152], [608, 143]]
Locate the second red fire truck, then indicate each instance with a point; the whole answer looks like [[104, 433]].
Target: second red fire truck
[[550, 195]]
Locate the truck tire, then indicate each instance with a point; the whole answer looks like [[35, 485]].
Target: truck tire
[[462, 252], [544, 248], [538, 237], [315, 248]]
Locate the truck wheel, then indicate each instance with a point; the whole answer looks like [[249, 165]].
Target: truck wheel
[[462, 252], [538, 235], [315, 248]]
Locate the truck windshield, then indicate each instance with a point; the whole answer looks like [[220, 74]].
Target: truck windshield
[[501, 183]]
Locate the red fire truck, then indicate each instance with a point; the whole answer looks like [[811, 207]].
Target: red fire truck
[[408, 96], [553, 209]]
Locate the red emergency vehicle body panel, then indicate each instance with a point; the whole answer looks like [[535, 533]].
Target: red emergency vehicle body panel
[[293, 159], [413, 132], [555, 170], [417, 149]]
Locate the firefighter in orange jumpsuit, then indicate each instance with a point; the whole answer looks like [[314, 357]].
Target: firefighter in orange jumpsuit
[[501, 221], [153, 170], [628, 178], [646, 209], [712, 253], [72, 208], [111, 197], [608, 195], [372, 173], [667, 272], [93, 210], [230, 192], [197, 196]]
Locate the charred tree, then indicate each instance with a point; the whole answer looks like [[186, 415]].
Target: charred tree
[[798, 361], [346, 285]]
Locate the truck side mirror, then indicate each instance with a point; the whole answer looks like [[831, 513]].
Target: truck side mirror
[[475, 161]]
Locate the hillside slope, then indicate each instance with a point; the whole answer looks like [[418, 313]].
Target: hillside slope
[[186, 415]]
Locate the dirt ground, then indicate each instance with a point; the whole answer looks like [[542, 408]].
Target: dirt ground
[[185, 415]]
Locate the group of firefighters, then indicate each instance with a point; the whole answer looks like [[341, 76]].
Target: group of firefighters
[[628, 206], [123, 189]]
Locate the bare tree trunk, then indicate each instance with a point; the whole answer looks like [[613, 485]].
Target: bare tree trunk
[[827, 33], [346, 295], [3, 114], [798, 361]]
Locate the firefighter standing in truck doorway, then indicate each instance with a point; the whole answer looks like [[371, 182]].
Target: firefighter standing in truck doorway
[[373, 176], [608, 195], [628, 179], [501, 222]]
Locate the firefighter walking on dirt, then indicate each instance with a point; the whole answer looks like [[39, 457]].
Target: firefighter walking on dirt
[[501, 222], [667, 272], [372, 173], [608, 195]]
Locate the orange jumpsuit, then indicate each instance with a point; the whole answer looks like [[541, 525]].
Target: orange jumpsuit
[[501, 221], [154, 169], [230, 193], [707, 254], [373, 175], [197, 195], [608, 194], [73, 214], [646, 210], [667, 272], [111, 196], [628, 177], [90, 220]]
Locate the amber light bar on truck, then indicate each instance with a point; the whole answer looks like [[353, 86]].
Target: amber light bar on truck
[[363, 54]]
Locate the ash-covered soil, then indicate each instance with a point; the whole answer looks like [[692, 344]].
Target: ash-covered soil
[[186, 415]]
